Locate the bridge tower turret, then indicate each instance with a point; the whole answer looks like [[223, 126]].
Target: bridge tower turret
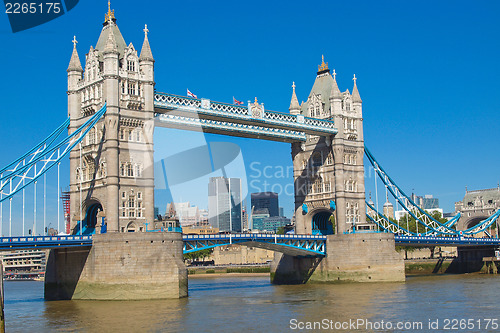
[[112, 169], [328, 171], [146, 67], [75, 72], [111, 57]]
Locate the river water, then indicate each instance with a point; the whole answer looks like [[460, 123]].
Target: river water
[[252, 304]]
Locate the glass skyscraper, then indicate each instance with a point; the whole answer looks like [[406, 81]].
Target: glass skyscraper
[[225, 204], [267, 200]]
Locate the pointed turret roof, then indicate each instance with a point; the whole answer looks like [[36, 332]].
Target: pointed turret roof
[[355, 92], [294, 103], [111, 46], [109, 26], [322, 86], [74, 63], [146, 53], [335, 92]]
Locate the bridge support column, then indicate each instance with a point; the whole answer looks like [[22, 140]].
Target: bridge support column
[[350, 258], [470, 259], [119, 266]]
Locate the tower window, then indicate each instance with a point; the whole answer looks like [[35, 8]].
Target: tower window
[[130, 65], [132, 88], [130, 170], [138, 170], [329, 159]]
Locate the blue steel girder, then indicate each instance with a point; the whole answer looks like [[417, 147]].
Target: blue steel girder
[[294, 245], [420, 215], [191, 113], [445, 241], [37, 161], [44, 242]]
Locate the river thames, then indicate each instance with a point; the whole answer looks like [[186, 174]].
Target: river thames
[[246, 304]]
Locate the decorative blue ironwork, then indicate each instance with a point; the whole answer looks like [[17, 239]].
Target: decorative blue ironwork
[[182, 122], [444, 241], [44, 242], [295, 245], [224, 117], [421, 216], [29, 167], [304, 208]]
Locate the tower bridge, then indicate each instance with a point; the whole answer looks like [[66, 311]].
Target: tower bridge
[[113, 110]]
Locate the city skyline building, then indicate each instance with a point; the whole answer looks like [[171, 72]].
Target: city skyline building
[[269, 200], [425, 202], [187, 214], [225, 204]]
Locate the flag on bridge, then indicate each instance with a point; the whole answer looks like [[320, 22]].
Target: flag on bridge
[[235, 101], [190, 94]]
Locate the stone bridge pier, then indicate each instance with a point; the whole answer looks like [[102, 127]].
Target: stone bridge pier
[[119, 266], [350, 258]]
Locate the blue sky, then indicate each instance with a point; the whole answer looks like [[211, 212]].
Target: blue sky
[[427, 73]]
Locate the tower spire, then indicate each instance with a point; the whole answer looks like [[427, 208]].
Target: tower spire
[[323, 68], [110, 15], [146, 53], [355, 93], [74, 63], [335, 92], [294, 103]]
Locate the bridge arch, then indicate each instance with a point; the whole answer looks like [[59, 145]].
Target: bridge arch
[[131, 227], [470, 222], [320, 220], [92, 207]]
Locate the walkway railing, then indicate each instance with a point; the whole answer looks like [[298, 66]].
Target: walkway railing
[[44, 242], [229, 117]]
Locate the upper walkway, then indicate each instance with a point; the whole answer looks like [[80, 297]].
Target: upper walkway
[[251, 121]]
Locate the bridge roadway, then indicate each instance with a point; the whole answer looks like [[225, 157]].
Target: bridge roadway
[[295, 245]]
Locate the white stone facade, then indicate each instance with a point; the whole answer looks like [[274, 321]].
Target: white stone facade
[[112, 169]]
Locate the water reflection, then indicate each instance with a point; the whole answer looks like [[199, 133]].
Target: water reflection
[[253, 304]]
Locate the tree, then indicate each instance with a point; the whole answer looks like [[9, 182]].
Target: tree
[[409, 223], [198, 254], [331, 219]]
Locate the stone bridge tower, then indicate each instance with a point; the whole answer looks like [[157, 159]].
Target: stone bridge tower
[[112, 169], [328, 171]]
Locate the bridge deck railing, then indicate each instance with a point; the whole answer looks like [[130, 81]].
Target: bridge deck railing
[[236, 112]]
